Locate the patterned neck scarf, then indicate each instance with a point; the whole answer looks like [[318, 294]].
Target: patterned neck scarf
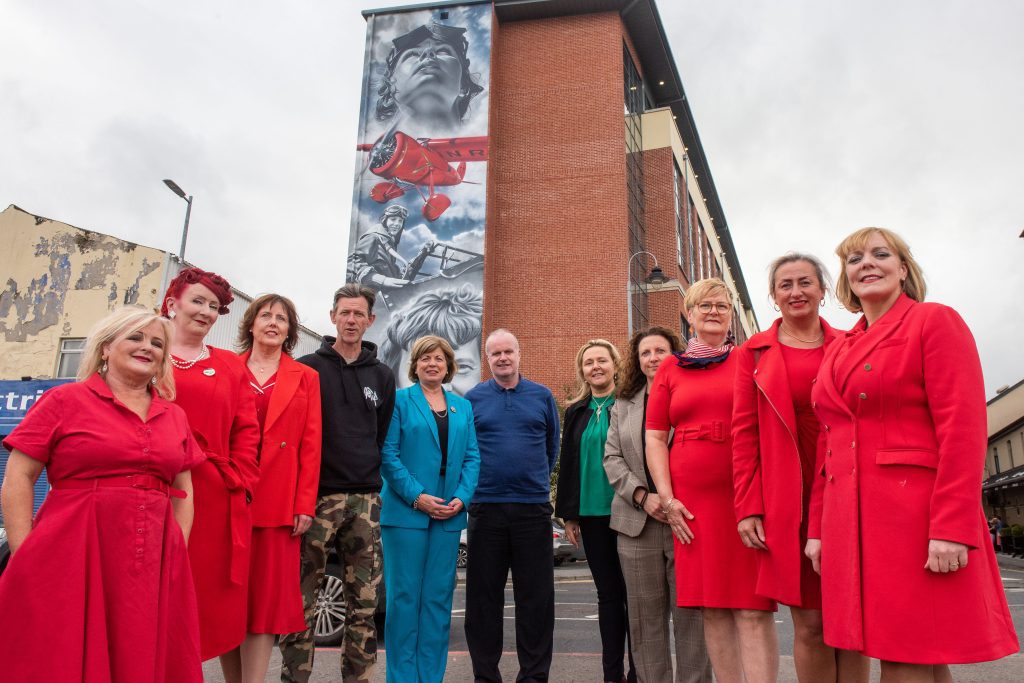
[[699, 355]]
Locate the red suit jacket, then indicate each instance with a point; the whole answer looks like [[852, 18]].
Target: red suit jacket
[[290, 451], [902, 405], [767, 477]]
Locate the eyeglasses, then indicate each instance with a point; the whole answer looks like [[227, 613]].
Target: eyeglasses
[[706, 307]]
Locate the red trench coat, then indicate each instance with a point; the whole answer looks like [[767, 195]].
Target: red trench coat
[[221, 410], [290, 451], [902, 405], [767, 476]]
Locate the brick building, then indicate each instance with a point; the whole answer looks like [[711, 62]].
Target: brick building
[[595, 175], [564, 182]]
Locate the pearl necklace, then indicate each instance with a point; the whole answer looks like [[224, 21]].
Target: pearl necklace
[[804, 341], [186, 364]]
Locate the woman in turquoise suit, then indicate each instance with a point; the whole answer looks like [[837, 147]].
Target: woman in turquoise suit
[[430, 464]]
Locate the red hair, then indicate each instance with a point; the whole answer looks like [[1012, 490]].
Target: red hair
[[193, 276]]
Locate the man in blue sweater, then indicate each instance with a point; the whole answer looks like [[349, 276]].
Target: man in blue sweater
[[510, 516]]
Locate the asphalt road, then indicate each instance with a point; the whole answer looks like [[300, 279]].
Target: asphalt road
[[578, 645]]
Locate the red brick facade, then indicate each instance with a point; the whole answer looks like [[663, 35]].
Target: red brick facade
[[557, 241]]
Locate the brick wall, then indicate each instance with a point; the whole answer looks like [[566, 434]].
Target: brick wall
[[556, 240]]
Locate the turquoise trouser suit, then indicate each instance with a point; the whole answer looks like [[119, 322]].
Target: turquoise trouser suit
[[420, 553]]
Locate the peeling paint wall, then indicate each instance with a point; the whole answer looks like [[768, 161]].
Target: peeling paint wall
[[56, 281]]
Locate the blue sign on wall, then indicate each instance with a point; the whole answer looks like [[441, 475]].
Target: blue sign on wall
[[16, 397]]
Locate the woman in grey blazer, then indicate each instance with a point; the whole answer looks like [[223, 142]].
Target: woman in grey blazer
[[644, 538]]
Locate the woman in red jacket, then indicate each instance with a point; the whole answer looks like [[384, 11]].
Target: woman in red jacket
[[896, 526], [213, 390], [775, 436], [288, 410]]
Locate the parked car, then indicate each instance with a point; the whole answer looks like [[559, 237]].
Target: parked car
[[5, 552], [329, 608], [562, 550]]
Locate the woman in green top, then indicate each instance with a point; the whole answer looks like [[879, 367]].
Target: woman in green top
[[584, 496]]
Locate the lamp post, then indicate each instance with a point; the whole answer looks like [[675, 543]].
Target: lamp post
[[655, 277], [188, 212]]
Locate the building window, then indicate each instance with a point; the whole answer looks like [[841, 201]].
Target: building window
[[995, 458], [70, 357], [633, 93], [693, 223], [1009, 449], [677, 186], [684, 328]]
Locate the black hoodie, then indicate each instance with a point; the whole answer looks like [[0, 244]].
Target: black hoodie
[[357, 400]]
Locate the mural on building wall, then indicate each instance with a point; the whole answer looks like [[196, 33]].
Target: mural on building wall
[[418, 214]]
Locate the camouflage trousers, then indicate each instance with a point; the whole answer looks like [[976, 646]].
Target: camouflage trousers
[[350, 524]]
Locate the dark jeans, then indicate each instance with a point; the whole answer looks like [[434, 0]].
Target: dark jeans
[[600, 544], [514, 536]]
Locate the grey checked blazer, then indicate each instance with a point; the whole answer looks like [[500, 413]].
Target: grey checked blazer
[[624, 463]]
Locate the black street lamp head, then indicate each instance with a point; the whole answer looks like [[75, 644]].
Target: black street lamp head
[[175, 189], [657, 276]]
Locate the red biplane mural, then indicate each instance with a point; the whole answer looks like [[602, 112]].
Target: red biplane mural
[[406, 162]]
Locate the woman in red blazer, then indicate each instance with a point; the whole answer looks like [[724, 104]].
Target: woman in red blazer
[[896, 526], [213, 390], [287, 397], [774, 441]]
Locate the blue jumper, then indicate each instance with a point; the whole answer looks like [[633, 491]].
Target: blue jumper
[[517, 431]]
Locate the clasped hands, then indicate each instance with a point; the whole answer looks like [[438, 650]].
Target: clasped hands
[[437, 508]]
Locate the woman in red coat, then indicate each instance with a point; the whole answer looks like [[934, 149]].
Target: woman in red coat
[[775, 436], [896, 526], [288, 410], [98, 588], [213, 389], [692, 394]]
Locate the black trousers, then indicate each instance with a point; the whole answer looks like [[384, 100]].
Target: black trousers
[[600, 543], [514, 536]]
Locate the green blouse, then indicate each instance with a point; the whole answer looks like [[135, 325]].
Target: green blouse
[[595, 492]]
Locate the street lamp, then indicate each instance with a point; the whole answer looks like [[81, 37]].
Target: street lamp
[[188, 212], [655, 277]]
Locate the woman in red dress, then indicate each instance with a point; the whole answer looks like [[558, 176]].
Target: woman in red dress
[[896, 525], [98, 587], [774, 443], [213, 389], [692, 394], [288, 410]]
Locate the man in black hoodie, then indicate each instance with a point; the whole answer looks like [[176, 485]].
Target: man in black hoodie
[[357, 395]]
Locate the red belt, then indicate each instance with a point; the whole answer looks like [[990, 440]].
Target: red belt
[[150, 482], [238, 514], [708, 431]]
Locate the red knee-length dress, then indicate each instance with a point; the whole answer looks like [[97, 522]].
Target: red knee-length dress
[[101, 590], [715, 569], [221, 411]]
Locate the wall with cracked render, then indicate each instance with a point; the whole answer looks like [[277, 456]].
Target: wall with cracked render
[[57, 280]]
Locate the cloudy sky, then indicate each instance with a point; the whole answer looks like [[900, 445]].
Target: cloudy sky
[[817, 118]]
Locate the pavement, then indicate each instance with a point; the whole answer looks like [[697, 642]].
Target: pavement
[[579, 661]]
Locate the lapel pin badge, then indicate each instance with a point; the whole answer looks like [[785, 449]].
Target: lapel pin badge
[[209, 372]]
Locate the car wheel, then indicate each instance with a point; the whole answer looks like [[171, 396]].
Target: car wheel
[[329, 609], [463, 557]]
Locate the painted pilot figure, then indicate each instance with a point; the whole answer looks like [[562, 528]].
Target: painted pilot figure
[[375, 261]]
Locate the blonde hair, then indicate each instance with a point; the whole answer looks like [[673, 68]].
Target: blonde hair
[[582, 388], [702, 289], [913, 286], [122, 322], [424, 345]]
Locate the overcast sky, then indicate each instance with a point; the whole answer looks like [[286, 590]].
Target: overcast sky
[[817, 118]]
